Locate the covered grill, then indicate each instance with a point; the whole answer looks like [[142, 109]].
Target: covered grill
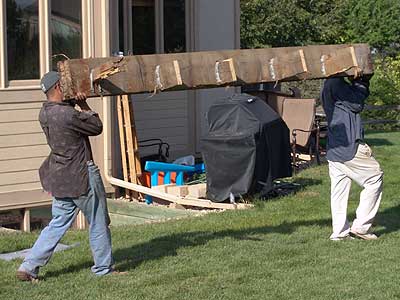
[[247, 147]]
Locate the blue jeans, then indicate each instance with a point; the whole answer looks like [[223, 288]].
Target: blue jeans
[[94, 207]]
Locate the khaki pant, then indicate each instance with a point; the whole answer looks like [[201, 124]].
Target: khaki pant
[[366, 172]]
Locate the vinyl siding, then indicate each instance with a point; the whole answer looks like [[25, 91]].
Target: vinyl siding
[[23, 146], [165, 116]]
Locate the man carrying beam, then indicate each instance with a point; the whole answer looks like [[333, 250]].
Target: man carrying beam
[[350, 158], [72, 178]]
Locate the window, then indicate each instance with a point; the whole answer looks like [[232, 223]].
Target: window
[[35, 30], [152, 26], [22, 39], [174, 26], [66, 29], [143, 27]]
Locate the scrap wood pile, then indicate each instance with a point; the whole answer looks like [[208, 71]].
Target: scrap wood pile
[[116, 76]]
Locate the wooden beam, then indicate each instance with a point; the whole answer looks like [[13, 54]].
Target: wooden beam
[[182, 71]]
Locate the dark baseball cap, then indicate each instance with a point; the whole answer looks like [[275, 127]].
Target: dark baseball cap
[[49, 80]]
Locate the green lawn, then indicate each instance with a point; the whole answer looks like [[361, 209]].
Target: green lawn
[[278, 250]]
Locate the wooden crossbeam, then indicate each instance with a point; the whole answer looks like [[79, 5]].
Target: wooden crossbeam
[[194, 70]]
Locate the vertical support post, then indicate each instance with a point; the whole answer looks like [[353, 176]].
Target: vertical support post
[[123, 144], [26, 221], [129, 140], [80, 221], [138, 165]]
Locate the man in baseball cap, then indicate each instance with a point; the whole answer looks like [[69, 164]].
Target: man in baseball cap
[[49, 80], [72, 178]]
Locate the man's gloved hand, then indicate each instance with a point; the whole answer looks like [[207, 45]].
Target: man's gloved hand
[[364, 79]]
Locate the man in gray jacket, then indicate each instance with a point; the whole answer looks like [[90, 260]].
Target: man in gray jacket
[[350, 158], [72, 178]]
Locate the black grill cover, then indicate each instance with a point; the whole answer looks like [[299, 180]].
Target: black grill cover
[[246, 147]]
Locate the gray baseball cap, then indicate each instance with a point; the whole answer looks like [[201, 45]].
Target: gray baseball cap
[[49, 80]]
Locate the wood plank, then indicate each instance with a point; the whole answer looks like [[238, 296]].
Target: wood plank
[[122, 142], [178, 190], [138, 166], [187, 201], [198, 190], [80, 221], [197, 69], [129, 139]]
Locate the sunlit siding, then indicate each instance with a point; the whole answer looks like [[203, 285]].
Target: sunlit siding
[[23, 146]]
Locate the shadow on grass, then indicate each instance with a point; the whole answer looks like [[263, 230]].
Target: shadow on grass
[[284, 188], [378, 142], [131, 257], [389, 220]]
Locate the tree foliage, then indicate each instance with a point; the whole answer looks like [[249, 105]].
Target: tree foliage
[[270, 23], [376, 22], [299, 22]]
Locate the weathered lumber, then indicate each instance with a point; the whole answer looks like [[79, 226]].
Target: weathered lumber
[[180, 195], [121, 127], [180, 71]]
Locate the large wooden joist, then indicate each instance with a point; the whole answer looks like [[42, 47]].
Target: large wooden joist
[[151, 73]]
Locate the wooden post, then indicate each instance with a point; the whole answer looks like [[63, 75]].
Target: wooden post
[[123, 144], [80, 221], [26, 221], [138, 165], [131, 143], [129, 139]]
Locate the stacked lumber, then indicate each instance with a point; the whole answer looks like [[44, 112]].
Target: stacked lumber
[[131, 166], [193, 195], [194, 70]]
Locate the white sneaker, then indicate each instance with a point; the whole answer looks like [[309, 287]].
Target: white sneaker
[[364, 236], [342, 238]]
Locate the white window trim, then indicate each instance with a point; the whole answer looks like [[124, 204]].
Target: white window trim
[[44, 43], [3, 47]]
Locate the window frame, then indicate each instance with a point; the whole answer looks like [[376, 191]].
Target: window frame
[[159, 26], [44, 7]]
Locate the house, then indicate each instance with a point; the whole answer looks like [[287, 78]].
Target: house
[[35, 34]]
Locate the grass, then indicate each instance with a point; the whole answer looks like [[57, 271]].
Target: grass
[[278, 250]]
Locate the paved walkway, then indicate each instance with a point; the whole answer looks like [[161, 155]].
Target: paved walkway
[[124, 213]]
